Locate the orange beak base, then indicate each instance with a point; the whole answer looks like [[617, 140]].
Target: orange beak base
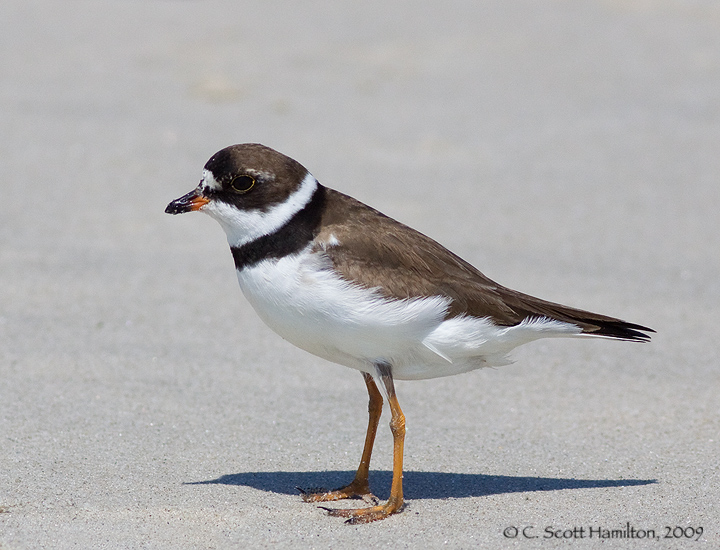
[[187, 203]]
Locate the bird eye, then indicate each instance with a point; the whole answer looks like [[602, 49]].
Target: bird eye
[[242, 184]]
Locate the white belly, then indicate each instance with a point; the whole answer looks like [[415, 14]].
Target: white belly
[[306, 303]]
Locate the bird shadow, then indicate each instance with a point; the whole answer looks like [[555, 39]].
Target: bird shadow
[[418, 485]]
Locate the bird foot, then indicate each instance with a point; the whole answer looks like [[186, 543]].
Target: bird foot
[[353, 490], [357, 516]]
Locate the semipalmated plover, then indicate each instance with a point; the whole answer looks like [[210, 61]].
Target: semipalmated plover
[[343, 281]]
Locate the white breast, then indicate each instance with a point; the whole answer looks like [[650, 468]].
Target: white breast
[[302, 299]]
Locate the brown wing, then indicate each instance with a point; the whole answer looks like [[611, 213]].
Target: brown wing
[[376, 251]]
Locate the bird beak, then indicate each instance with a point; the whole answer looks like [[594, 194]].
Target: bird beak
[[194, 200]]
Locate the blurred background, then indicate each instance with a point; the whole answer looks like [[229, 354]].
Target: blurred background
[[567, 149]]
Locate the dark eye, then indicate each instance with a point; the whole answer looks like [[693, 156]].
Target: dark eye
[[242, 184]]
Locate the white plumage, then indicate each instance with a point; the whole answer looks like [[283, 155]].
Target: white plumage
[[302, 299], [348, 284]]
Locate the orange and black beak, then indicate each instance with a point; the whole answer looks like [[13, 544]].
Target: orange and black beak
[[194, 200]]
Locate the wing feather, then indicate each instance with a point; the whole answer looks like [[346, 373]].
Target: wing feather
[[376, 251]]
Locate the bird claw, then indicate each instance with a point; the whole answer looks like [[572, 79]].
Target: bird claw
[[354, 491], [357, 516], [310, 491]]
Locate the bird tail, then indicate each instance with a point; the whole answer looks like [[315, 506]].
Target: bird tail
[[591, 324]]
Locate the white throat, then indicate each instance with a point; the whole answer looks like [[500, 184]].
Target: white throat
[[244, 226]]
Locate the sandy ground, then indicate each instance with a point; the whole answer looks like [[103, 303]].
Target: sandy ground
[[567, 149]]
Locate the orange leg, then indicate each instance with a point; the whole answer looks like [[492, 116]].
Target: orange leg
[[360, 486], [397, 426]]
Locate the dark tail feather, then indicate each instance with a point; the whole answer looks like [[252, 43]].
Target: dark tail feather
[[617, 329], [592, 324]]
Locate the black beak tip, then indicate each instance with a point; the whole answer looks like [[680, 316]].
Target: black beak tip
[[174, 208], [194, 200], [183, 204]]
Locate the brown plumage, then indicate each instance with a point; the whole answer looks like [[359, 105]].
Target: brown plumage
[[296, 243], [376, 251]]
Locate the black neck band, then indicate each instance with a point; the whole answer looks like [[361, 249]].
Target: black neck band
[[289, 239]]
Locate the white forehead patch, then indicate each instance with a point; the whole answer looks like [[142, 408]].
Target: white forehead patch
[[209, 181], [244, 226]]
